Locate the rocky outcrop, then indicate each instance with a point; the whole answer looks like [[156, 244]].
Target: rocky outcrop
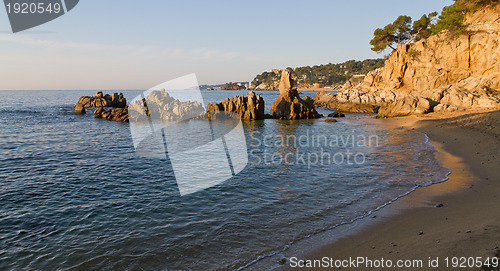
[[289, 105], [250, 107], [329, 100], [118, 104], [450, 72], [160, 105], [79, 109], [114, 114], [99, 100], [407, 106]]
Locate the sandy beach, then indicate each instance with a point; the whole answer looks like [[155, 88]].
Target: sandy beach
[[456, 218]]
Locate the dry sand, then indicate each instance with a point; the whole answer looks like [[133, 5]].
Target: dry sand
[[468, 223]]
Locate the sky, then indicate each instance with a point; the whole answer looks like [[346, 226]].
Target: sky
[[124, 44]]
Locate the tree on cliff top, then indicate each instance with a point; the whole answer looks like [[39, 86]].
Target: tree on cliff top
[[402, 31]]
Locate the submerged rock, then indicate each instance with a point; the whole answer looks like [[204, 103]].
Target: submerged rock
[[289, 105], [336, 115]]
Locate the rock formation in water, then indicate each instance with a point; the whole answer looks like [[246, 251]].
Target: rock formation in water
[[114, 114], [79, 109], [289, 105], [442, 72], [250, 107], [160, 105], [117, 103], [99, 100]]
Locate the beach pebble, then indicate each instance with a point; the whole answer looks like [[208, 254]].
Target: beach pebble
[[421, 233], [468, 231], [282, 261], [439, 205]]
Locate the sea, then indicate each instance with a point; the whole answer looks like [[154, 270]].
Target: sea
[[75, 195]]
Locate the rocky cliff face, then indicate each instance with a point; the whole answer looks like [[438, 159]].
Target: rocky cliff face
[[452, 73]]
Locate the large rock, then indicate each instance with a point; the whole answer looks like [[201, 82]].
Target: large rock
[[289, 105], [159, 105], [114, 114], [79, 109], [250, 107], [406, 106], [118, 104], [329, 100], [99, 100]]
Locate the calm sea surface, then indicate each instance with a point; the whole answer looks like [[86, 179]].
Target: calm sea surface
[[75, 196]]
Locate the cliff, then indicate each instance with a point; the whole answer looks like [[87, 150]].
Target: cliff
[[450, 72]]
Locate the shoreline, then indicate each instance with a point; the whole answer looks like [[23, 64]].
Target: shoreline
[[468, 223]]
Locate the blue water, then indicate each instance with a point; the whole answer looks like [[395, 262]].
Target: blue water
[[74, 195]]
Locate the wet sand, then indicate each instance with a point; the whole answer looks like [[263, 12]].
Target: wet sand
[[456, 218]]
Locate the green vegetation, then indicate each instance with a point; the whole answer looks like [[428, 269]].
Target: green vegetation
[[267, 78], [402, 31], [413, 53], [452, 18], [233, 86], [328, 75]]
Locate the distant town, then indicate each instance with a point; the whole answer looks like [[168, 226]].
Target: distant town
[[317, 77]]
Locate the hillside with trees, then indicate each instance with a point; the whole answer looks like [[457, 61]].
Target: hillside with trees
[[329, 75]]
